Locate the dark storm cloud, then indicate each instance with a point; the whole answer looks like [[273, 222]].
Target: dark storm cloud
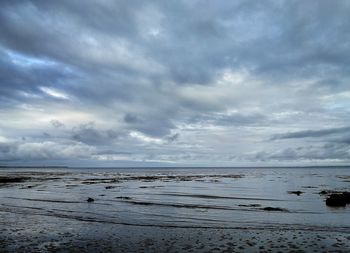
[[193, 48], [196, 40], [155, 72]]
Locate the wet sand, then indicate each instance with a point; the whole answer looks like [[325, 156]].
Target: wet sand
[[25, 233]]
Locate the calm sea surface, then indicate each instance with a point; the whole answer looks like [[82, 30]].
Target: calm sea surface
[[181, 197]]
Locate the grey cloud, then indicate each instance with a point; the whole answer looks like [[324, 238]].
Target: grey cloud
[[192, 50], [232, 119], [113, 152], [56, 123], [129, 118], [312, 133], [46, 135], [153, 125], [328, 151], [46, 150], [21, 81], [87, 133], [174, 137]]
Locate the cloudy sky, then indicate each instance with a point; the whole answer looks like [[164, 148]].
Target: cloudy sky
[[227, 83]]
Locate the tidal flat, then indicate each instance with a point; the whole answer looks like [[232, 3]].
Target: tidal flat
[[173, 210]]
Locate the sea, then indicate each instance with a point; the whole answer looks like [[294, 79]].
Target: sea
[[221, 198]]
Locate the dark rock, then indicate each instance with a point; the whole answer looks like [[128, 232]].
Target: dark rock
[[6, 180], [346, 196], [296, 192], [336, 200], [109, 187], [90, 200]]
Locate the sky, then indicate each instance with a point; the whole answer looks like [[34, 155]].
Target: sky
[[175, 83]]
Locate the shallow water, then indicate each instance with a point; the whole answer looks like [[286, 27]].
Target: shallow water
[[181, 197]]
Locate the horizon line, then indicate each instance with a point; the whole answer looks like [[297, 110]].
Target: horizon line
[[155, 167]]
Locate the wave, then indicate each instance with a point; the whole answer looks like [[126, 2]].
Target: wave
[[55, 201], [204, 196]]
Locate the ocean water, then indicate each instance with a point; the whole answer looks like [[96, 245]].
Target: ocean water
[[221, 198]]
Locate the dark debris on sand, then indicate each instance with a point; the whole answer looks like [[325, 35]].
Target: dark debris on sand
[[298, 193], [250, 205], [109, 187], [123, 197], [90, 200], [324, 192], [274, 209]]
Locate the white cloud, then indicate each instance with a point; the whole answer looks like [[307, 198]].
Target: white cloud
[[144, 138], [54, 93]]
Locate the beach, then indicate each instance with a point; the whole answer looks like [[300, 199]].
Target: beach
[[173, 210]]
